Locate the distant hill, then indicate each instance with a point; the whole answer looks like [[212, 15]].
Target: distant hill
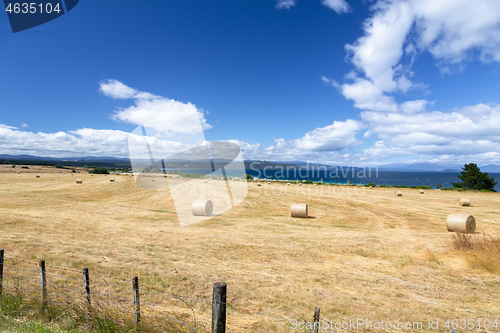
[[435, 167], [110, 162], [125, 163]]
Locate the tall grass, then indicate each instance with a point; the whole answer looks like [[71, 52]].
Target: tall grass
[[23, 313], [480, 250]]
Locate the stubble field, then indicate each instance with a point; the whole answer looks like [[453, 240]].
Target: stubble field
[[363, 254]]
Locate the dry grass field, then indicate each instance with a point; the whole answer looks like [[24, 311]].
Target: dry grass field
[[364, 253]]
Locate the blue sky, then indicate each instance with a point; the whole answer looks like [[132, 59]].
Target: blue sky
[[336, 81]]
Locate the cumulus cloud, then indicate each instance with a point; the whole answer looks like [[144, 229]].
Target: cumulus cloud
[[170, 126], [319, 144], [451, 31], [334, 137], [84, 142], [81, 142], [166, 116], [469, 130], [340, 6], [116, 89], [285, 4]]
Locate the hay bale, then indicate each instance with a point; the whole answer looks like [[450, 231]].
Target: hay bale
[[288, 184], [464, 202], [371, 187], [315, 184], [111, 180], [399, 194], [202, 208], [206, 181], [79, 181], [461, 223], [258, 184], [300, 184], [37, 176], [268, 183], [300, 210], [421, 191]]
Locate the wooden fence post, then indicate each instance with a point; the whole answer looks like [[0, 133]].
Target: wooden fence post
[[86, 283], [43, 285], [1, 271], [137, 305], [219, 308], [316, 320]]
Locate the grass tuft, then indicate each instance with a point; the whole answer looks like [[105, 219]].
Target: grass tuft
[[480, 250]]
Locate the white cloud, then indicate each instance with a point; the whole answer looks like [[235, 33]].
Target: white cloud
[[81, 142], [415, 106], [340, 6], [453, 31], [285, 4], [6, 126], [450, 29], [116, 89], [85, 142], [24, 125], [334, 137], [166, 116], [329, 142], [467, 131], [376, 55], [367, 96]]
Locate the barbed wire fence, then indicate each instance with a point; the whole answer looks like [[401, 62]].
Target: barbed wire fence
[[101, 300]]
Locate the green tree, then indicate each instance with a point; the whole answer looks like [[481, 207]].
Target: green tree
[[100, 170], [473, 179]]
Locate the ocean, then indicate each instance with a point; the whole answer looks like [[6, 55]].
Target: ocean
[[363, 177], [360, 176]]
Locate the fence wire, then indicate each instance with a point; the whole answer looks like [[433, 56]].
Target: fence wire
[[160, 311]]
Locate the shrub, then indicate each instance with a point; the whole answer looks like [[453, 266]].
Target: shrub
[[100, 170]]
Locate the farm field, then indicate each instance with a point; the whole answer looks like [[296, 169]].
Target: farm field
[[363, 253]]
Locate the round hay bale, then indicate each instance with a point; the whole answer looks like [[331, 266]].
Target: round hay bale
[[300, 210], [37, 176], [153, 180], [399, 194], [202, 208], [461, 223], [288, 184], [371, 187], [79, 181], [464, 202], [206, 181], [268, 183], [300, 184], [258, 184], [421, 191], [315, 184], [111, 180]]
